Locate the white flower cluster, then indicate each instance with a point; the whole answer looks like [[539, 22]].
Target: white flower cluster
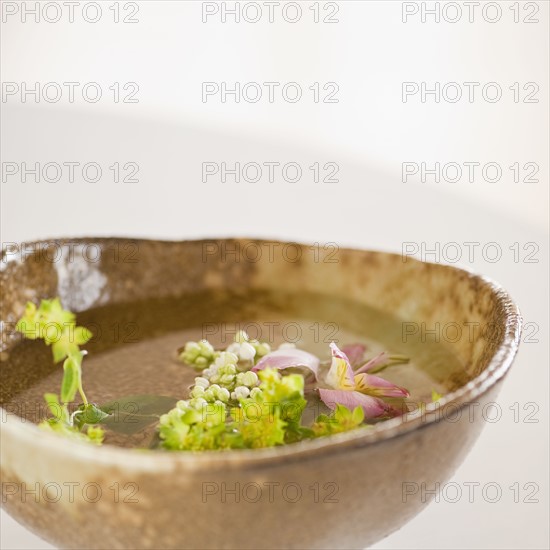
[[225, 376], [246, 349], [198, 354]]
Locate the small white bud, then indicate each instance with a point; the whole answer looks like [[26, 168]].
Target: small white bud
[[241, 337], [234, 348], [223, 394], [247, 351], [199, 402], [226, 358], [248, 378], [201, 382], [241, 392], [263, 349], [197, 392], [287, 345], [255, 391]]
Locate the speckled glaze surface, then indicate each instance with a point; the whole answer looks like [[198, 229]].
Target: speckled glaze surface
[[352, 485]]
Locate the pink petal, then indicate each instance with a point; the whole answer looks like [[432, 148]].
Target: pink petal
[[374, 385], [339, 354], [379, 360], [289, 357], [354, 353], [372, 406]]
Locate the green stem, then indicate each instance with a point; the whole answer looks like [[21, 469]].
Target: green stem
[[65, 412], [80, 388], [82, 394]]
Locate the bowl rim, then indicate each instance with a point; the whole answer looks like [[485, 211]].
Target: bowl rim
[[140, 460]]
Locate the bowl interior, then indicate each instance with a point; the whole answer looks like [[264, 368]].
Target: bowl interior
[[144, 299]]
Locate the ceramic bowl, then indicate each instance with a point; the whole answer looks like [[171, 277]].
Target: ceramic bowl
[[344, 491]]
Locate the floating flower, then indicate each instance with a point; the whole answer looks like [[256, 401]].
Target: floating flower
[[287, 357], [355, 353], [381, 360], [358, 388]]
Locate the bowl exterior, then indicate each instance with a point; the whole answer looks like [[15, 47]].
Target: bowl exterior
[[346, 491], [347, 500]]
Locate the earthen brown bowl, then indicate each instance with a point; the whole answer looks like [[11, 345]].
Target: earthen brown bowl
[[344, 491]]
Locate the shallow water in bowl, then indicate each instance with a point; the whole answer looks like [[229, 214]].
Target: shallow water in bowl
[[134, 352]]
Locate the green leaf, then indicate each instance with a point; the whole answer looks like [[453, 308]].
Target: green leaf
[[436, 396], [29, 324], [88, 414], [53, 311], [129, 415], [71, 378], [53, 404], [358, 415], [65, 344], [341, 420], [95, 435], [57, 327], [28, 328], [59, 351], [81, 335]]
